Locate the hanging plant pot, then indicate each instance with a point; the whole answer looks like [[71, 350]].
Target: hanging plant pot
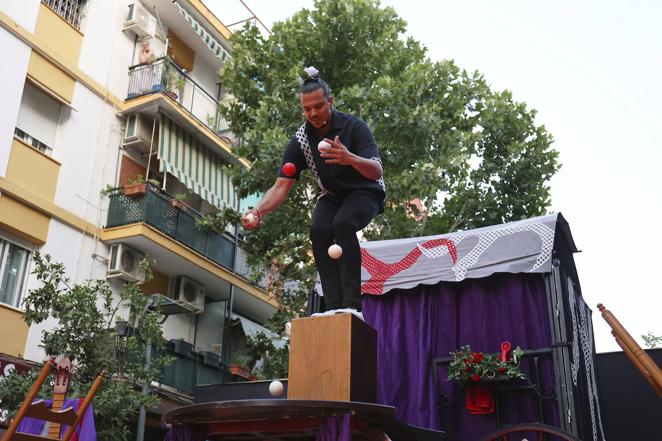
[[182, 347], [180, 205], [133, 190], [240, 371]]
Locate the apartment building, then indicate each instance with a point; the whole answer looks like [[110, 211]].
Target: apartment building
[[106, 94]]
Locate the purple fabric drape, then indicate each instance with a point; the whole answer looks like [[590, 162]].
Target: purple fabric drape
[[179, 432], [86, 431], [416, 325], [332, 428], [335, 428]]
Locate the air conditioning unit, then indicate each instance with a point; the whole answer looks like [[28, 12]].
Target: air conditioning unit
[[124, 263], [138, 132], [139, 21], [189, 294]]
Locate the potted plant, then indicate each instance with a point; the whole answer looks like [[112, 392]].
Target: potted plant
[[135, 187], [138, 186], [182, 347], [238, 365], [174, 80], [469, 367], [178, 201], [480, 372]]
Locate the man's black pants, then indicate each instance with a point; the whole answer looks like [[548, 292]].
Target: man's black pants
[[340, 219]]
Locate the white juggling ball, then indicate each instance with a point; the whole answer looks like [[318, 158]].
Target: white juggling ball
[[335, 251], [323, 144], [276, 388]]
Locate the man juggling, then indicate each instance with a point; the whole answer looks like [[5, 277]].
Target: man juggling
[[341, 152]]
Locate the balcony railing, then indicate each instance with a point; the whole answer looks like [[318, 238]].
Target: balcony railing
[[155, 209], [164, 76], [192, 369]]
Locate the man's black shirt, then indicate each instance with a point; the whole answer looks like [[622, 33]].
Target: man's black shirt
[[339, 180]]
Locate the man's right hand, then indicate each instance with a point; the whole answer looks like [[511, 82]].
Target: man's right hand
[[251, 219]]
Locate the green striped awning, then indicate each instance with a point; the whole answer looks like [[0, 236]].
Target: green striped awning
[[210, 41], [194, 165]]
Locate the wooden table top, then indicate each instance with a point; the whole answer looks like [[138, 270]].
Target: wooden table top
[[284, 419]]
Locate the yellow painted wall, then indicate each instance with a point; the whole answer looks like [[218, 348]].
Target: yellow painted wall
[[61, 36], [33, 170], [51, 77], [158, 285], [180, 53], [14, 331], [23, 221]]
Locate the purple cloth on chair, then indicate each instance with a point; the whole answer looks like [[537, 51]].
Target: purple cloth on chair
[[419, 324], [86, 430]]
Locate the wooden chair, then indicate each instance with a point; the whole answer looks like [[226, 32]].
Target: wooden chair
[[38, 410]]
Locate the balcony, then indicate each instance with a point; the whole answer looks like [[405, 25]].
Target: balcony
[[155, 209], [165, 77], [192, 369]]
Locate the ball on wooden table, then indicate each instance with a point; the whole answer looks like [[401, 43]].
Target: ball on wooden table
[[289, 169], [335, 251], [276, 388], [323, 145]]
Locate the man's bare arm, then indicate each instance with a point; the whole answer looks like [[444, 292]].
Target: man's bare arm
[[272, 199]]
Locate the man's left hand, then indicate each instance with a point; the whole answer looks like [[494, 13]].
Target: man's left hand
[[338, 153]]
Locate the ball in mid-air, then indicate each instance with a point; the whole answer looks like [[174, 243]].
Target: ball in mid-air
[[289, 169], [335, 251], [276, 388]]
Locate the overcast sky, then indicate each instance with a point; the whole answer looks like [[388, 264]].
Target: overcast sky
[[592, 70]]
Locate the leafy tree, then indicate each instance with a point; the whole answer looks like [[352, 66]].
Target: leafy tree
[[652, 341], [471, 156], [85, 333]]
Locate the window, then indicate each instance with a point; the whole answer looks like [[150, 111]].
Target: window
[[71, 10], [34, 142], [13, 268], [38, 119]]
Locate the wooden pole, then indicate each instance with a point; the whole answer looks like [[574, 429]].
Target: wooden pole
[[639, 357], [628, 353], [34, 390]]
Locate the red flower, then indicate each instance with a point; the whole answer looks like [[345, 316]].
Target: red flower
[[502, 369], [467, 368], [475, 377], [478, 357]]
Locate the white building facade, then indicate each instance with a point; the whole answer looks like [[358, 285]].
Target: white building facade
[[84, 112]]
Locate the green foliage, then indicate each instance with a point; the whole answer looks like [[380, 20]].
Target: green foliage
[[652, 341], [219, 221], [85, 314], [14, 387], [274, 360], [468, 366]]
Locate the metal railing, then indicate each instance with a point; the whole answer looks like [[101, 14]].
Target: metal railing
[[155, 209], [70, 10], [190, 370], [164, 76]]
